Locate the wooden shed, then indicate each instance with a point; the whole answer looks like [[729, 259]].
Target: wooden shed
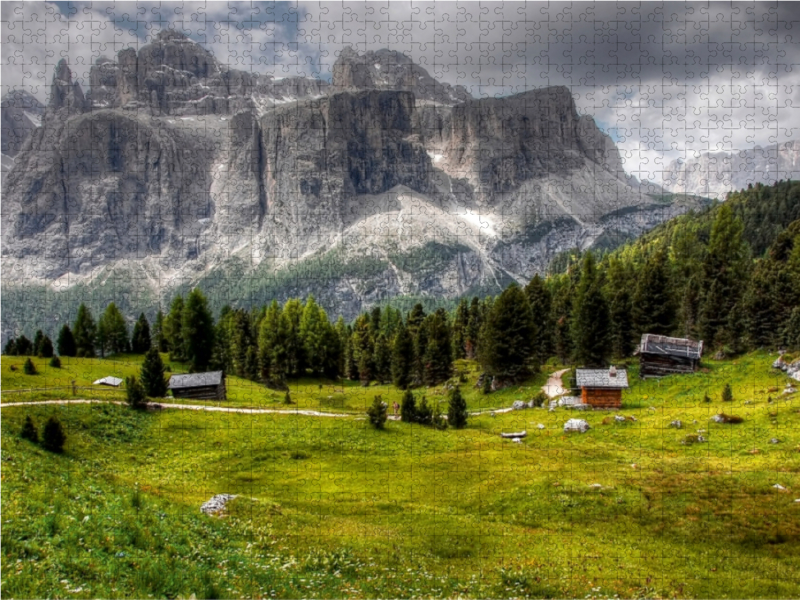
[[660, 355], [200, 386], [602, 388]]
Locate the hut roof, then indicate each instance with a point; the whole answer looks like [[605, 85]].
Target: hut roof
[[112, 381], [601, 378], [669, 346], [195, 380]]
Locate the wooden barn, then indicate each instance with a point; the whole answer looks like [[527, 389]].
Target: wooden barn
[[200, 386], [660, 355], [602, 388]]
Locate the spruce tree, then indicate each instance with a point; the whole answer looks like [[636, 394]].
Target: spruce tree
[[402, 357], [173, 330], [24, 346], [84, 331], [10, 348], [363, 349], [112, 331], [37, 343], [590, 322], [424, 412], [312, 329], [438, 354], [460, 326], [55, 362], [293, 311], [267, 338], [66, 342], [159, 333], [197, 331], [53, 436], [152, 375], [506, 342], [134, 393], [541, 304], [29, 431], [46, 348], [727, 393], [408, 408], [457, 409], [377, 413], [653, 303], [29, 368], [382, 359], [473, 328], [140, 338]]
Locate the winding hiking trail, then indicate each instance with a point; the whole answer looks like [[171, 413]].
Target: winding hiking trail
[[553, 387]]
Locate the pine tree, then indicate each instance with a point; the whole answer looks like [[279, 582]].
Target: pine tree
[[29, 368], [29, 431], [37, 343], [590, 332], [55, 362], [159, 333], [342, 336], [408, 408], [173, 330], [112, 331], [424, 412], [267, 338], [84, 331], [438, 353], [134, 393], [457, 410], [727, 393], [382, 359], [312, 335], [541, 304], [240, 340], [66, 342], [363, 349], [24, 346], [653, 304], [473, 328], [402, 358], [53, 436], [293, 311], [140, 338], [10, 348], [46, 348], [506, 342], [790, 332], [197, 331], [377, 413], [460, 326], [152, 375]]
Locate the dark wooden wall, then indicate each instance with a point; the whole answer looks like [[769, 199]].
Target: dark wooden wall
[[602, 397]]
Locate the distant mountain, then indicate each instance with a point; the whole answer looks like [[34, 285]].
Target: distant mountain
[[21, 113], [173, 170], [714, 174]]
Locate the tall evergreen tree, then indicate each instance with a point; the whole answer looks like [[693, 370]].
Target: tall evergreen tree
[[10, 348], [653, 302], [112, 331], [438, 354], [402, 358], [382, 359], [84, 331], [541, 303], [152, 375], [159, 333], [293, 310], [46, 348], [460, 326], [506, 342], [473, 328], [173, 330], [312, 331], [37, 342], [24, 346], [66, 342], [363, 348], [590, 323], [197, 331], [408, 408], [140, 338], [272, 372]]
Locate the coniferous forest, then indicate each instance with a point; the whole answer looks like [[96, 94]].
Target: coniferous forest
[[729, 275]]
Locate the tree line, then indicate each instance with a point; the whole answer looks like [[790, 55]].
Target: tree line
[[713, 275]]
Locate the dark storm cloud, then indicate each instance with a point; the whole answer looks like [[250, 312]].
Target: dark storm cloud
[[665, 79]]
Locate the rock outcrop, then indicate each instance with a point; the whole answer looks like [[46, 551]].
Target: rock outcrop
[[21, 114], [182, 171]]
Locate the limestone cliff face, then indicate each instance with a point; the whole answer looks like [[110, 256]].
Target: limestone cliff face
[[386, 182]]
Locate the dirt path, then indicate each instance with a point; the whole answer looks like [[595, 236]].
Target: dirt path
[[554, 386], [244, 411]]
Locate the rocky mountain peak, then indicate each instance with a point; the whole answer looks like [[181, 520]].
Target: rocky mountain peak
[[64, 93], [387, 69]]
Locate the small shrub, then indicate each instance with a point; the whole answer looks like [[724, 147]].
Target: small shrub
[[487, 384], [408, 408], [377, 413], [693, 438], [287, 399], [540, 399], [727, 393], [53, 436], [29, 431], [731, 418], [437, 419], [424, 412], [134, 393], [29, 368], [55, 362], [706, 398], [457, 410]]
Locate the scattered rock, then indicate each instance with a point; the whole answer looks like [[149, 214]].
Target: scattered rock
[[718, 419], [578, 425], [540, 426], [631, 418], [754, 451], [516, 440], [519, 405], [774, 441], [789, 390], [492, 414], [596, 486], [693, 438], [216, 504], [779, 487], [792, 369], [676, 424], [619, 419], [720, 355]]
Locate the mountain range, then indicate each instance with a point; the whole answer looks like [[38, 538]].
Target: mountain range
[[173, 170]]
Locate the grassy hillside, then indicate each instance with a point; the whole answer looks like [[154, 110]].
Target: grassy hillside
[[333, 508]]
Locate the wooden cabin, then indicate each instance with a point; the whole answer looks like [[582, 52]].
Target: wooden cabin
[[602, 388], [660, 355], [199, 386]]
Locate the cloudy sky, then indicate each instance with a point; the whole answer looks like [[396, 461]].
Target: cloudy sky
[[665, 80]]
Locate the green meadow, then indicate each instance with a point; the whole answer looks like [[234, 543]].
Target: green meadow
[[330, 507]]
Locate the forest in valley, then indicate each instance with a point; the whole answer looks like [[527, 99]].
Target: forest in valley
[[729, 275]]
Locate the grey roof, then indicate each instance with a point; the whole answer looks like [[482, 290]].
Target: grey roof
[[669, 346], [195, 380], [601, 378], [113, 381]]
